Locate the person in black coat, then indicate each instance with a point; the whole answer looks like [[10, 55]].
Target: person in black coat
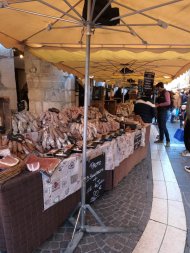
[[163, 104], [118, 95], [145, 108]]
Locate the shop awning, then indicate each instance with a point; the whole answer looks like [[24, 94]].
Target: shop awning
[[151, 36]]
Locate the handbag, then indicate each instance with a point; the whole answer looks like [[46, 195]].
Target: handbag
[[179, 134]]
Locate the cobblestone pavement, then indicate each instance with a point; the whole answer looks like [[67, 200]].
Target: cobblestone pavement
[[129, 204]]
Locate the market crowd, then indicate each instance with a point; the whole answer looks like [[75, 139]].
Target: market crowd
[[164, 106]]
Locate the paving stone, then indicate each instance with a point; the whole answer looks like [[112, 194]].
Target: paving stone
[[118, 246], [90, 239], [78, 250], [95, 251], [45, 245], [63, 244], [67, 236], [107, 249], [54, 245], [92, 246], [61, 230], [58, 237]]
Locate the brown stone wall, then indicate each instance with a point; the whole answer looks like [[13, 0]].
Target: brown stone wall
[[47, 86]]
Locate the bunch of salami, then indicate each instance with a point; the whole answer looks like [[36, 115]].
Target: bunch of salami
[[23, 122]]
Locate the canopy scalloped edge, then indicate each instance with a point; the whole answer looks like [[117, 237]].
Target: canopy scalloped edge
[[64, 58]]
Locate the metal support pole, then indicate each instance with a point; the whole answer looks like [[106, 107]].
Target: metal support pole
[[87, 82], [123, 97]]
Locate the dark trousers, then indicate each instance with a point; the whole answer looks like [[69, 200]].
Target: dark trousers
[[187, 135], [172, 118], [162, 118], [181, 123]]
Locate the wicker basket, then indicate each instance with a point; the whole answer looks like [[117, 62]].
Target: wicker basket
[[10, 172]]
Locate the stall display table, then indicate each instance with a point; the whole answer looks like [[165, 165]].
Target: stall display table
[[25, 225], [113, 177]]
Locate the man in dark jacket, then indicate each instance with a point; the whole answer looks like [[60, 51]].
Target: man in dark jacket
[[163, 104], [145, 108]]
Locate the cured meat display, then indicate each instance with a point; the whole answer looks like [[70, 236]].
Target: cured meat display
[[8, 161], [58, 130], [23, 122], [10, 166], [77, 130], [46, 165], [94, 113], [125, 109], [106, 125], [33, 166], [62, 129], [8, 172], [41, 143], [132, 119], [21, 147], [56, 119], [54, 132], [74, 112]]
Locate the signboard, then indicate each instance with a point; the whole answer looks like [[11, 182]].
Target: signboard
[[148, 81], [95, 178], [137, 140]]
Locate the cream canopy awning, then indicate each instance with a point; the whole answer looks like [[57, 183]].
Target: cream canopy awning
[[151, 36]]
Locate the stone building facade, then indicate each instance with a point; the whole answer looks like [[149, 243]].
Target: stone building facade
[[47, 86], [7, 76]]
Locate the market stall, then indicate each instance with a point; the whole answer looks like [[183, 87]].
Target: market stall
[[143, 44], [38, 202], [24, 224]]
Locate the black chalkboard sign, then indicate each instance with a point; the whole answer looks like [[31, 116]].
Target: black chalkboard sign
[[95, 178], [137, 140], [148, 81]]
